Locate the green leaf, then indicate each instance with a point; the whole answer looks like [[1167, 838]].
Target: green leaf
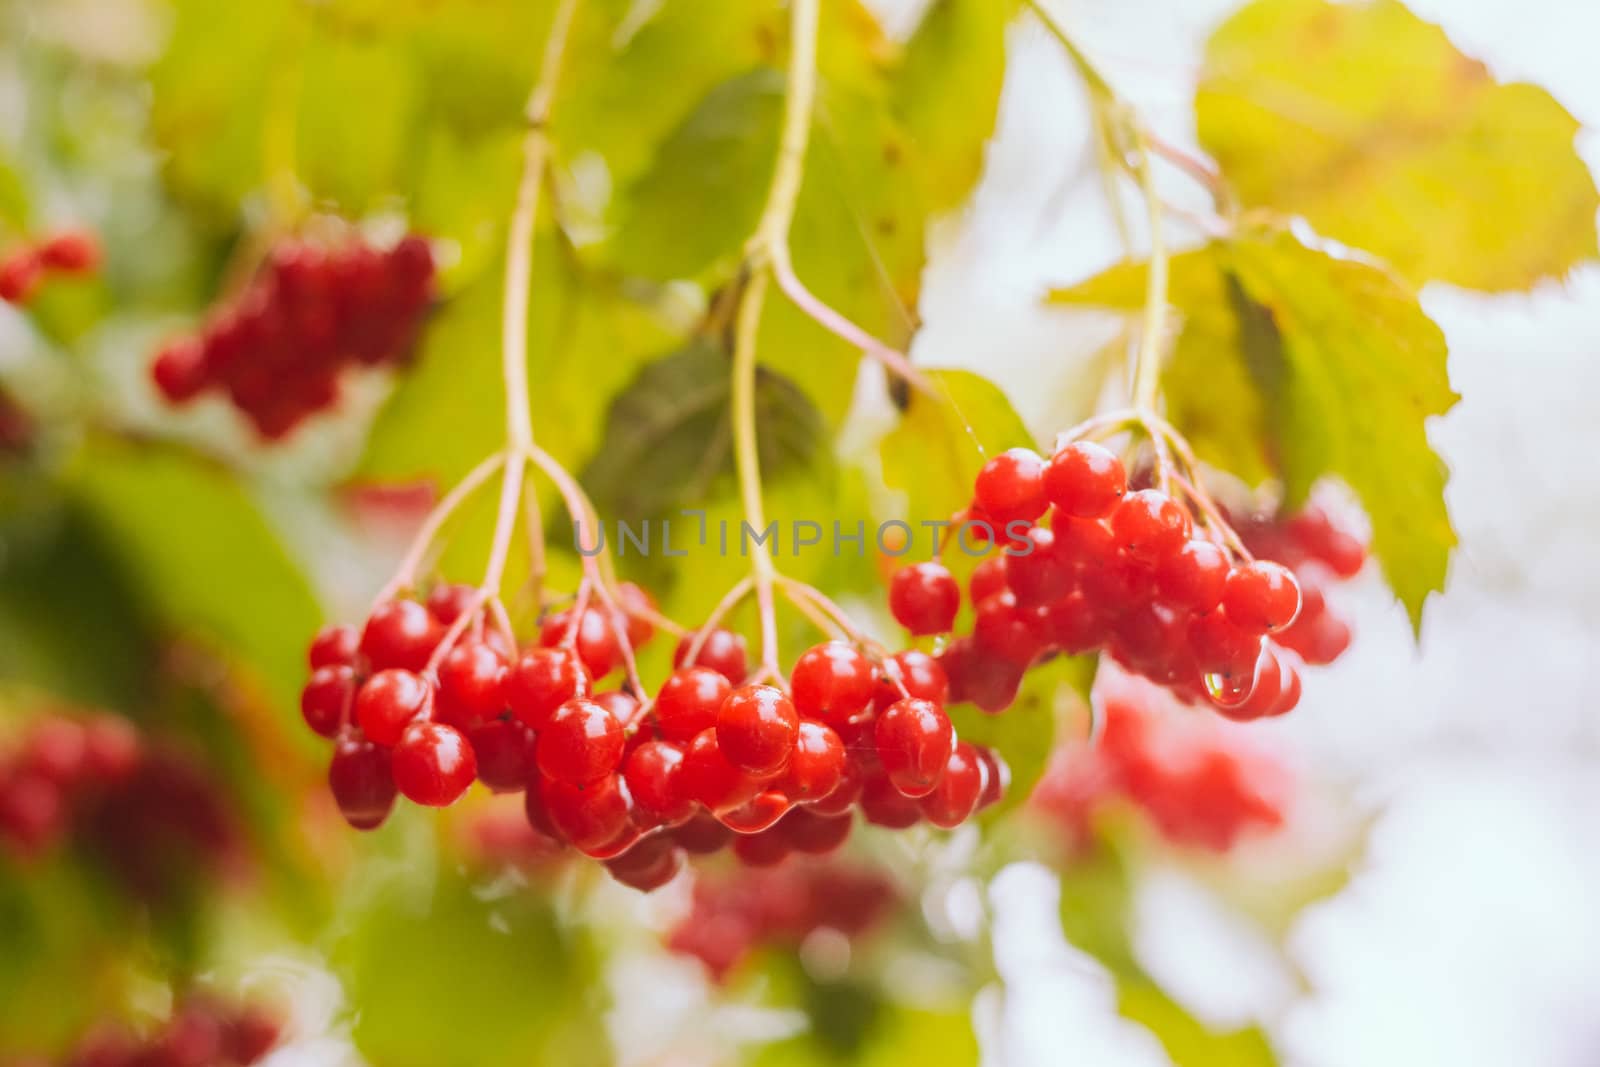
[[358, 108], [692, 210], [1367, 121], [202, 554], [668, 439], [461, 978], [943, 438], [1025, 733], [1188, 1041], [1333, 369]]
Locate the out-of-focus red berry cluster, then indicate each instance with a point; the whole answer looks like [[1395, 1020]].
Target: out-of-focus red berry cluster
[[279, 349], [25, 267], [202, 1031], [742, 911], [1195, 780]]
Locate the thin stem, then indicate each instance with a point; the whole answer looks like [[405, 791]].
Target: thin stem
[[1147, 369], [747, 459], [406, 576], [519, 246], [729, 601], [799, 101], [1080, 59], [533, 520], [841, 327]]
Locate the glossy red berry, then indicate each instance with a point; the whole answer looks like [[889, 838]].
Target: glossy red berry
[[582, 741], [1002, 628], [988, 578], [810, 832], [980, 676], [327, 699], [760, 812], [654, 773], [542, 680], [996, 778], [595, 817], [1149, 525], [914, 740], [362, 783], [179, 370], [757, 727], [833, 682], [401, 634], [448, 601], [433, 764], [505, 752], [723, 651], [388, 702], [1011, 486], [882, 804], [710, 778], [689, 701], [924, 598], [650, 864], [702, 835], [1035, 572], [595, 639], [956, 795], [1085, 480], [911, 673], [761, 849], [1192, 577], [472, 682], [1261, 596], [817, 766], [334, 646], [1221, 648]]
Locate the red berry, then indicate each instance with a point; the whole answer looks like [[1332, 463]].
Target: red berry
[[918, 675], [1221, 648], [1149, 525], [581, 742], [595, 639], [621, 705], [1011, 486], [1192, 577], [924, 598], [1002, 628], [650, 864], [1087, 544], [842, 800], [809, 832], [636, 606], [179, 371], [327, 699], [996, 778], [1261, 596], [702, 835], [817, 766], [1072, 624], [541, 681], [71, 251], [595, 817], [882, 804], [505, 752], [914, 741], [710, 778], [433, 764], [979, 676], [472, 684], [761, 849], [33, 812], [19, 274], [1085, 480], [689, 701], [723, 651], [956, 796], [400, 633], [1035, 573], [111, 749], [362, 782], [388, 702], [55, 750], [988, 578], [757, 727], [448, 601], [1246, 703], [833, 682], [335, 646], [654, 773], [759, 813]]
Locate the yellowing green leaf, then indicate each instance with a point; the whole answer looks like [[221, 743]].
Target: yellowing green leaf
[[943, 438], [1367, 121]]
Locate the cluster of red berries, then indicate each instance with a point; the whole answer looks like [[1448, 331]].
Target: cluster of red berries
[[1194, 781], [733, 916], [278, 349], [72, 252], [202, 1031], [710, 762], [1318, 551], [1090, 564], [149, 815]]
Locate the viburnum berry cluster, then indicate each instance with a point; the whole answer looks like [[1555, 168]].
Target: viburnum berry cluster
[[1088, 563], [25, 267], [1193, 780], [278, 349], [202, 1031], [150, 815], [431, 695], [734, 915]]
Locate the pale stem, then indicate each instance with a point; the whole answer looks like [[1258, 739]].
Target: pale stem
[[1147, 369], [835, 323], [406, 576], [729, 601]]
